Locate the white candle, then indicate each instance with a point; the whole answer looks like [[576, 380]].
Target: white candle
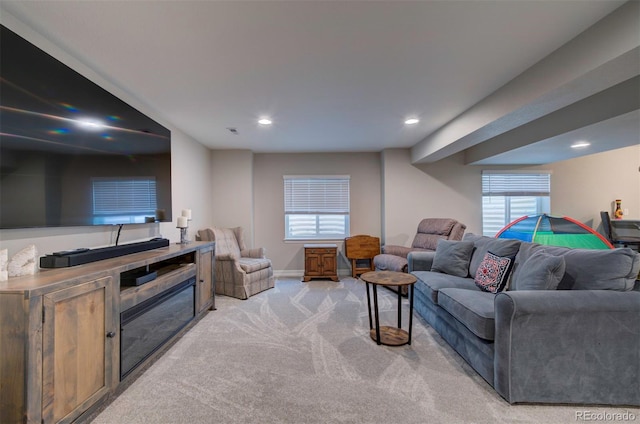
[[182, 222], [186, 213]]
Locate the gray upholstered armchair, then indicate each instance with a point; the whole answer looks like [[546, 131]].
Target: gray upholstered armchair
[[239, 272], [430, 230]]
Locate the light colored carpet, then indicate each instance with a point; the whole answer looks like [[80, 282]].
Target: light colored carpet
[[301, 353]]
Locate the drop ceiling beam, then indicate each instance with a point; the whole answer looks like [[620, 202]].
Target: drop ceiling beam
[[606, 54]]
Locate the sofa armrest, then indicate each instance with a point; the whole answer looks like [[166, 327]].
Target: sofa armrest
[[391, 249], [568, 346], [258, 252], [420, 261]]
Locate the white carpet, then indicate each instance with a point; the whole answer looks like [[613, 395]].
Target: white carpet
[[301, 353]]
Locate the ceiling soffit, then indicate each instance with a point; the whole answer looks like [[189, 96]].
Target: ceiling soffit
[[576, 73]]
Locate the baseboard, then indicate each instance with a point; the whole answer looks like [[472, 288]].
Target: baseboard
[[286, 273], [298, 273]]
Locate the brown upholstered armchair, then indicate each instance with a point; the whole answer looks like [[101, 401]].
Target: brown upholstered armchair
[[430, 230], [239, 272]]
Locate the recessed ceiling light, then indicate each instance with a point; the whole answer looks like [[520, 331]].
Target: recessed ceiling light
[[411, 121], [264, 121], [580, 144]]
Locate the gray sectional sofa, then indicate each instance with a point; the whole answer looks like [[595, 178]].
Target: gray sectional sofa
[[565, 330]]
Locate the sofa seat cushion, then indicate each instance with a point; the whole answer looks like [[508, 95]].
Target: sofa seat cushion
[[431, 282], [250, 265], [472, 308]]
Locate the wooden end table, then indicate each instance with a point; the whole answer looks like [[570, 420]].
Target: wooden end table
[[390, 336], [320, 262]]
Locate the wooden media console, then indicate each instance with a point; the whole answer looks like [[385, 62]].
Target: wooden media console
[[61, 329]]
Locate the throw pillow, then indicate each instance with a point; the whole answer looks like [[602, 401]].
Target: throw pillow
[[542, 271], [452, 257], [493, 272]]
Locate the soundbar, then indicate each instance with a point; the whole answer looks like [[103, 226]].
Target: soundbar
[[137, 277], [83, 256]]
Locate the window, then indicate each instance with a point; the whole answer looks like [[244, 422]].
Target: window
[[509, 195], [316, 207], [123, 200]]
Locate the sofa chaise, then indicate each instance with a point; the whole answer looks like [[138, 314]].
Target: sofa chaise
[[565, 330]]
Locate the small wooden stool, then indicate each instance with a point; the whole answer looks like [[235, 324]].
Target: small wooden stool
[[360, 250]]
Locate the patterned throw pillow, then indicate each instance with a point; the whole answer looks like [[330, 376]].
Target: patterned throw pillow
[[493, 272]]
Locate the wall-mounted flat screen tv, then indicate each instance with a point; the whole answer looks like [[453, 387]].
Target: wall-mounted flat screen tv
[[71, 153]]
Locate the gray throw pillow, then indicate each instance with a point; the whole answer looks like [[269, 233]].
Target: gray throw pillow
[[542, 271], [452, 257]]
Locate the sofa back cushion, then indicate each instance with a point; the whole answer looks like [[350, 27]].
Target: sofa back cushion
[[452, 257], [483, 244], [614, 269], [588, 269], [542, 271], [226, 242], [494, 272]]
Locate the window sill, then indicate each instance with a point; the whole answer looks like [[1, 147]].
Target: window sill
[[305, 241]]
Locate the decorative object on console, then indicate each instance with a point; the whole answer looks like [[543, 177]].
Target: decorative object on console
[[4, 261], [24, 262], [618, 214], [183, 225]]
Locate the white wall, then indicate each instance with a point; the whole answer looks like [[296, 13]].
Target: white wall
[[190, 163], [364, 170], [390, 195], [232, 191], [444, 189], [582, 187]]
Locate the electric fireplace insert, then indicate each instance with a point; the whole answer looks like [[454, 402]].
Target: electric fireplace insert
[[147, 326]]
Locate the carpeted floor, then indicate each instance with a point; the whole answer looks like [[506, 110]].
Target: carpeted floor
[[301, 353]]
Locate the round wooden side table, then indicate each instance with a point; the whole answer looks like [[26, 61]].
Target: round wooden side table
[[390, 336]]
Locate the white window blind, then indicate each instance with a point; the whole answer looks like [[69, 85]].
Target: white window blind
[[516, 184], [134, 196], [316, 207], [507, 196]]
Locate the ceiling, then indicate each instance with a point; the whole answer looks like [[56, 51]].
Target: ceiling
[[334, 76]]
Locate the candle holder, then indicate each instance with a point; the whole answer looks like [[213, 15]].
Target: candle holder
[[183, 224], [183, 236]]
